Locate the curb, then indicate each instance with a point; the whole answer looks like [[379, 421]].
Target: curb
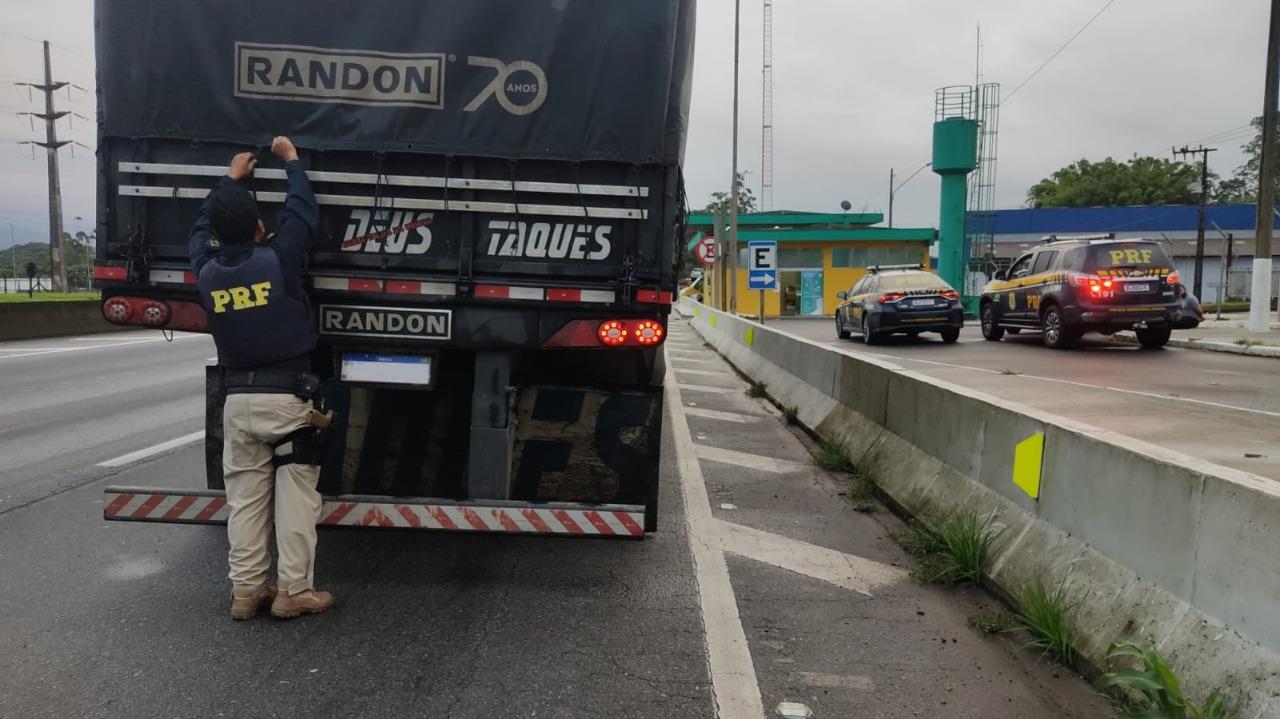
[[1211, 346]]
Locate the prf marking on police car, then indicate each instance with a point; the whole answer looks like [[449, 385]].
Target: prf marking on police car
[[317, 74], [386, 322]]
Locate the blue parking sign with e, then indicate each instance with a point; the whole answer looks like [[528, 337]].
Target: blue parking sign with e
[[762, 265]]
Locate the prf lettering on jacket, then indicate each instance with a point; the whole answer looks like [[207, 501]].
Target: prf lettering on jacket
[[240, 298]]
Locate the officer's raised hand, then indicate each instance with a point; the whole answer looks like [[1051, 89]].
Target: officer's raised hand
[[283, 148], [241, 165]]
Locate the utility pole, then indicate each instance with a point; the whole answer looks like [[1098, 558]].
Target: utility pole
[[733, 187], [1260, 304], [890, 198], [1204, 197], [51, 146]]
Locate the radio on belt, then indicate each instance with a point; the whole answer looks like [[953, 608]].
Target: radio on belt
[[365, 368]]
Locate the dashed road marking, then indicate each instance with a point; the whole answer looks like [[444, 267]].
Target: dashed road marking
[[750, 461], [724, 416], [703, 372], [142, 454], [704, 388]]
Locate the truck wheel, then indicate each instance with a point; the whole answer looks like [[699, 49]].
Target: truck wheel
[[841, 332], [1055, 333], [991, 330], [950, 334], [1154, 338]]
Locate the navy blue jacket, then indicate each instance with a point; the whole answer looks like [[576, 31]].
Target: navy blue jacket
[[258, 312]]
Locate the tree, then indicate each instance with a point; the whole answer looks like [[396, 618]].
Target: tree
[[722, 200], [1242, 186], [1140, 181]]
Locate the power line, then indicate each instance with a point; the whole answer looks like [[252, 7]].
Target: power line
[[1070, 40]]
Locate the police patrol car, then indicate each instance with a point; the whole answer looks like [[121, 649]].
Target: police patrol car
[[1066, 287], [899, 299]]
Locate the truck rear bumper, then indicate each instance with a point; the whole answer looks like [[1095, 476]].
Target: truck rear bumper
[[179, 506]]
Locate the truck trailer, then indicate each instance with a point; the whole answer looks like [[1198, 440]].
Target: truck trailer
[[501, 210]]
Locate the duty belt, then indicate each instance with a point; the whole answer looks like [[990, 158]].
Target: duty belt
[[301, 384]]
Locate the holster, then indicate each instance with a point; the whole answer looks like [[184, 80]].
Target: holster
[[305, 445]]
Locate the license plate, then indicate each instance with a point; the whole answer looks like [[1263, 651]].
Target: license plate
[[922, 303], [1137, 287], [386, 368]]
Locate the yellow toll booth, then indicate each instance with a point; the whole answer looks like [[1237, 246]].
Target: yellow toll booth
[[818, 255]]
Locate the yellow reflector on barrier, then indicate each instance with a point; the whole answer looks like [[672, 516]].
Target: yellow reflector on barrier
[[697, 311], [749, 335], [712, 321], [1027, 458]]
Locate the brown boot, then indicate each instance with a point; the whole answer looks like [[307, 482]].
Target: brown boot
[[247, 607], [288, 606]]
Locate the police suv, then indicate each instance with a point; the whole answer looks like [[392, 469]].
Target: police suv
[[899, 299], [1066, 287]]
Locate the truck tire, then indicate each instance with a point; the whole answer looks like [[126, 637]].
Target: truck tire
[[1054, 330], [991, 329], [1154, 338]]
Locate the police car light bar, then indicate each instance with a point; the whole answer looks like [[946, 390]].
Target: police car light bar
[[881, 268], [359, 178]]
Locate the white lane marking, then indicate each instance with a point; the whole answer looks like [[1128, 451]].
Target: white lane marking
[[142, 454], [833, 567], [725, 416], [705, 372], [25, 352], [704, 388], [1139, 393], [750, 461], [695, 360], [733, 675]]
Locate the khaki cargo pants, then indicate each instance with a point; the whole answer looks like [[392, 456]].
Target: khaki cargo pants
[[251, 423]]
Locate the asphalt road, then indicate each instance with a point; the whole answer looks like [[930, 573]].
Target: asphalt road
[[1220, 407], [730, 609]]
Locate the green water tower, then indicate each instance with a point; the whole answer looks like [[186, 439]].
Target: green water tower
[[955, 155]]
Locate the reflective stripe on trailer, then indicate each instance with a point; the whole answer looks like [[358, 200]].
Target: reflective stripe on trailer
[[554, 294], [209, 507], [173, 277]]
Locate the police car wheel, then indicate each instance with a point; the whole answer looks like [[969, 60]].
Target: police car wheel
[[1153, 338], [991, 330], [868, 336], [950, 334], [1055, 333], [841, 332]]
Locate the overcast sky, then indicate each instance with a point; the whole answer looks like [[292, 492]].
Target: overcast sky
[[854, 89]]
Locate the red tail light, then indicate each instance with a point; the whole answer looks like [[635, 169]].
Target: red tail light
[[1080, 280], [1173, 278], [648, 332], [117, 310], [890, 297], [153, 314], [610, 333], [950, 295]]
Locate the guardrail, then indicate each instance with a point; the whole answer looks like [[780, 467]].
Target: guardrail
[[1157, 546]]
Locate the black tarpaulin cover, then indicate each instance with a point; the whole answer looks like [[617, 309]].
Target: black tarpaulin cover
[[562, 79]]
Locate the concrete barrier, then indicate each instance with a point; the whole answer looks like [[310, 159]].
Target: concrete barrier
[[30, 320], [1156, 546]]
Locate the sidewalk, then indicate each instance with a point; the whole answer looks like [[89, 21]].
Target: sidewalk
[[1229, 334]]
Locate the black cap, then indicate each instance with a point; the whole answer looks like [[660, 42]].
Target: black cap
[[233, 213]]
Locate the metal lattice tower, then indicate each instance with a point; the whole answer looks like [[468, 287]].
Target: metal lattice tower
[[766, 138], [980, 227]]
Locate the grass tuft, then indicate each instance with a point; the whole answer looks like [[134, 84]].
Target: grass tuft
[[792, 414], [1150, 678], [758, 389], [862, 491], [1009, 372], [1047, 613], [955, 551], [831, 456]]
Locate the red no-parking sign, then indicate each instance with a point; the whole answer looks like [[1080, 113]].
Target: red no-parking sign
[[706, 250]]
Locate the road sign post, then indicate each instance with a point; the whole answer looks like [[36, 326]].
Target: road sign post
[[762, 268]]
